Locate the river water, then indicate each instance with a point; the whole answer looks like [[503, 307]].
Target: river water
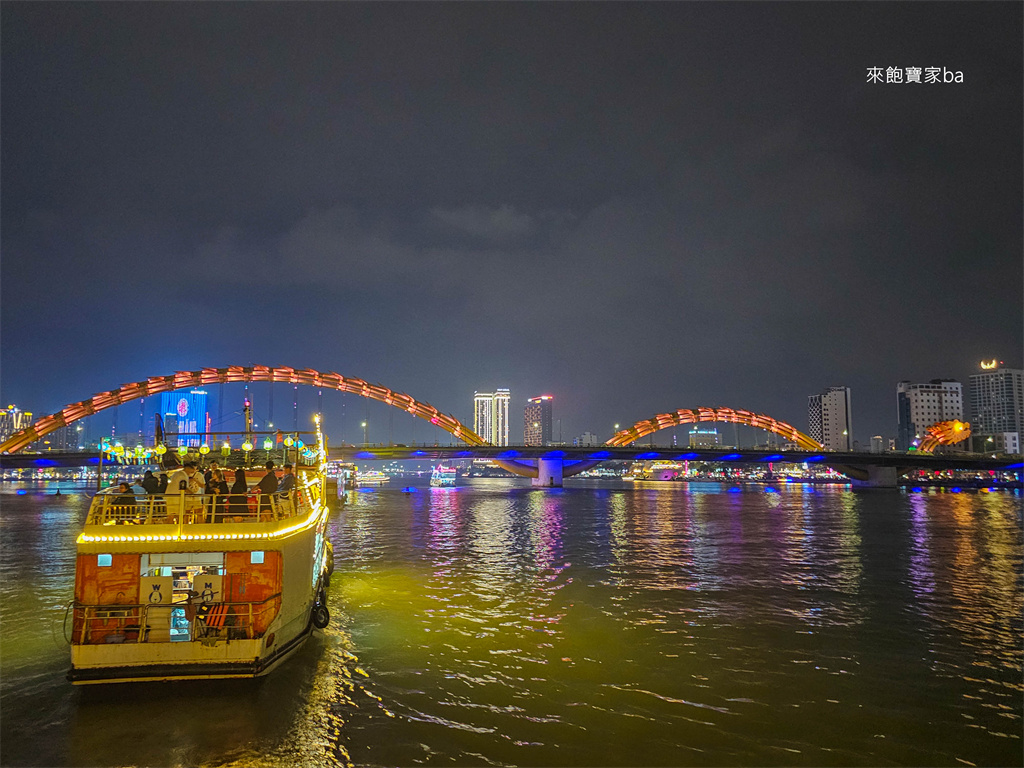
[[602, 624]]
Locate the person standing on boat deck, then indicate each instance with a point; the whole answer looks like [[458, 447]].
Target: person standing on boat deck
[[238, 503], [125, 502], [162, 488], [194, 493], [149, 482], [287, 484], [209, 472], [266, 486], [189, 480], [218, 488]]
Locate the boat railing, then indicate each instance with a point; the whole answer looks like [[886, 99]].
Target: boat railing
[[192, 509], [151, 623]]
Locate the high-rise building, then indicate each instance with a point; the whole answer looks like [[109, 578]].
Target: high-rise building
[[502, 401], [65, 438], [483, 415], [828, 418], [586, 440], [918, 406], [702, 437], [997, 408], [537, 421], [13, 419], [490, 415]]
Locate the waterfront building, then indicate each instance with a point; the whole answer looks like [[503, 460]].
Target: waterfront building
[[13, 419], [483, 415], [877, 444], [502, 401], [586, 440], [918, 406], [997, 408], [829, 419], [705, 438], [490, 415], [64, 439], [537, 421]]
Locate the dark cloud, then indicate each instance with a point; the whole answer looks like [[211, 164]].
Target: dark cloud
[[636, 206]]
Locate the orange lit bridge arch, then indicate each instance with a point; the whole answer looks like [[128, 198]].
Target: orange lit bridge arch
[[729, 415], [237, 374]]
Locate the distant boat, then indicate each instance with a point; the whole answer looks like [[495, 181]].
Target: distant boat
[[443, 477], [373, 477]]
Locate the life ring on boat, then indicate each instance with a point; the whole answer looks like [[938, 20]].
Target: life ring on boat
[[321, 616]]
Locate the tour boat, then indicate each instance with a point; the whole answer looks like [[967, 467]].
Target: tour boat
[[443, 477], [179, 586], [371, 477]]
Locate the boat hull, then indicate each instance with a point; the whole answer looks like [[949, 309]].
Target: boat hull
[[240, 659]]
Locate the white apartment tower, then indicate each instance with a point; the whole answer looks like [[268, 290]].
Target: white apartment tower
[[918, 406], [828, 418], [490, 415], [499, 409], [997, 408]]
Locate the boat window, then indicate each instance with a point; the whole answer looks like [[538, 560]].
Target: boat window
[[256, 557], [182, 565], [104, 561]]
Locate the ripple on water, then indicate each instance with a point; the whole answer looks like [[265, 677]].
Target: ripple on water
[[673, 624]]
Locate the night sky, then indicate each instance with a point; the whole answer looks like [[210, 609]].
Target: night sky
[[634, 207]]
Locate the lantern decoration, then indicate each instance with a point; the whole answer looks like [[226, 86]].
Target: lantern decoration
[[268, 444], [204, 449], [182, 450], [119, 449], [299, 444], [161, 449], [289, 441], [225, 449], [246, 446]]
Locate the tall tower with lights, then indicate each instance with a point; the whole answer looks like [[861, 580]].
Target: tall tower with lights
[[537, 420], [828, 418], [997, 408], [490, 415]]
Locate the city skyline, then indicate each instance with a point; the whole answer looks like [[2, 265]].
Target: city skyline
[[916, 405], [688, 205]]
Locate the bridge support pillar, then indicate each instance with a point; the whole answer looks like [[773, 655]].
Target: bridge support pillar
[[549, 474], [877, 477]]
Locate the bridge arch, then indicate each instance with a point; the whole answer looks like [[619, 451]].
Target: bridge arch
[[728, 415], [236, 374]]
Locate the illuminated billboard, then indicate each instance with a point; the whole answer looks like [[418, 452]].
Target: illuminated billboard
[[188, 409]]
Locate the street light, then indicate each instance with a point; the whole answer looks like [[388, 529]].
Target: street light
[[365, 442]]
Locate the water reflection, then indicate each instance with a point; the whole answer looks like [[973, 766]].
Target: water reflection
[[661, 624]]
